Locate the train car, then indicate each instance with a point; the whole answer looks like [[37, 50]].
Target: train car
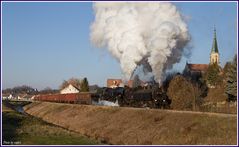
[[76, 98]]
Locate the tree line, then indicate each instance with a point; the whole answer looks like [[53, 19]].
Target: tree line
[[83, 85]]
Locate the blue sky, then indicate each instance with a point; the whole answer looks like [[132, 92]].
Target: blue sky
[[46, 43]]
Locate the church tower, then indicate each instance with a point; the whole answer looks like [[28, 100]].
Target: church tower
[[214, 56]]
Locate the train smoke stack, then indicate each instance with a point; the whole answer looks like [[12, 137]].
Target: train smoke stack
[[147, 35]]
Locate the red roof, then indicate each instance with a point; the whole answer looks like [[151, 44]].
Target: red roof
[[113, 82], [198, 67]]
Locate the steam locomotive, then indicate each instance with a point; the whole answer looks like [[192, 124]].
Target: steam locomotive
[[136, 97]]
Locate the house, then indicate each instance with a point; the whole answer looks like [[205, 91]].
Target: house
[[28, 97], [8, 96], [5, 96], [70, 89], [113, 83], [195, 71], [21, 96]]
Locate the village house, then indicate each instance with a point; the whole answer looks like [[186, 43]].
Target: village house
[[195, 71], [113, 83], [20, 96], [28, 97], [70, 89], [7, 96]]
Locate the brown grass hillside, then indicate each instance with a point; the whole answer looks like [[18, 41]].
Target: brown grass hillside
[[116, 125]]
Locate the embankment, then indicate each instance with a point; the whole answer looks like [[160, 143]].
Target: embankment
[[21, 129], [116, 125]]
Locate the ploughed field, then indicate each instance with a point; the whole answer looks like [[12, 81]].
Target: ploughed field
[[22, 129], [120, 125]]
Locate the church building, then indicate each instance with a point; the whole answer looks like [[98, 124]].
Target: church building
[[195, 71]]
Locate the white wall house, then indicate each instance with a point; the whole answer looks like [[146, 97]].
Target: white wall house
[[5, 96], [10, 96], [20, 96], [70, 89]]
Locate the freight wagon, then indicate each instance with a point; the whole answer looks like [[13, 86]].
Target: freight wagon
[[74, 98]]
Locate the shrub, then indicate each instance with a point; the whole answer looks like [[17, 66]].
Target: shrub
[[185, 94]]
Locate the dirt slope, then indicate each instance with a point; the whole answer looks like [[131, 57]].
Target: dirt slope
[[139, 126]]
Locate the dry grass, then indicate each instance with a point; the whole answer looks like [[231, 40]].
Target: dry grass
[[140, 126], [20, 129]]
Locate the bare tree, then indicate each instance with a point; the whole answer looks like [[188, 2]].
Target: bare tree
[[185, 94], [73, 81]]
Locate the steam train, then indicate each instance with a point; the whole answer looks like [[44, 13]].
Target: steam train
[[123, 96]]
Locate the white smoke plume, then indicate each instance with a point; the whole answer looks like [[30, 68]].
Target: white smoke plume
[[154, 33]]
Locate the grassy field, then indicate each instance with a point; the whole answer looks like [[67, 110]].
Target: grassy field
[[19, 129]]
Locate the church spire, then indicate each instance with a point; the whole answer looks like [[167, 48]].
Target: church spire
[[214, 56], [214, 44]]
